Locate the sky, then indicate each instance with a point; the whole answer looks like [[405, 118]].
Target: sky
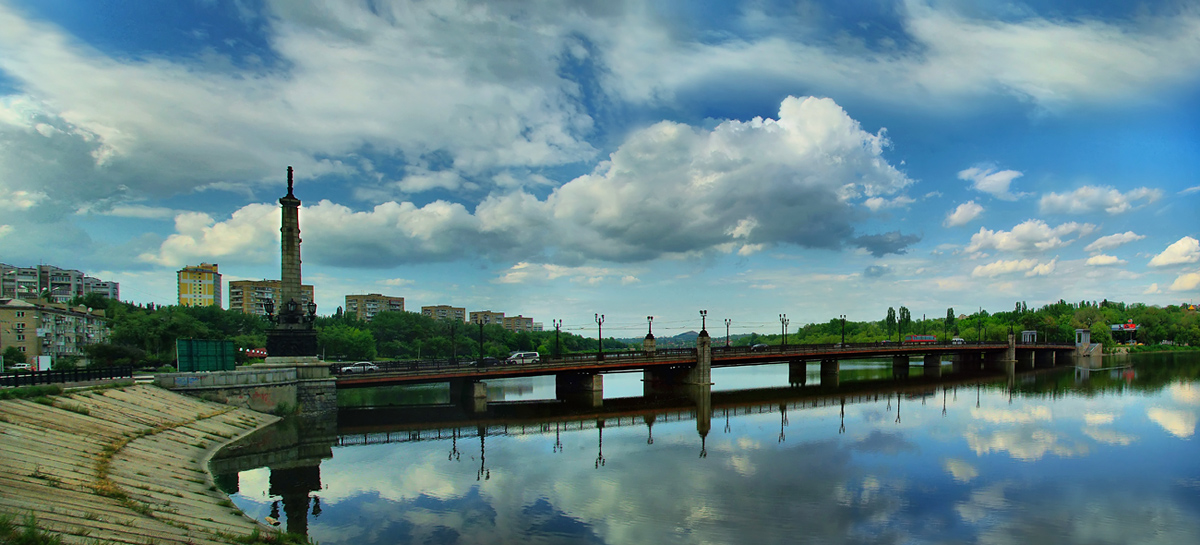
[[560, 160]]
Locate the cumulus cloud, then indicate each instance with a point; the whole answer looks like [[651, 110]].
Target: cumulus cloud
[[964, 214], [1184, 250], [1102, 260], [1112, 241], [876, 271], [989, 180], [527, 273], [1091, 199], [879, 203], [1186, 282], [1180, 423], [1031, 267], [669, 190], [1029, 236]]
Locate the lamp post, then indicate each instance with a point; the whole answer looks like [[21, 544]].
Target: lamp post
[[480, 320], [557, 347], [923, 323], [843, 330], [979, 325], [727, 322], [650, 327], [703, 320], [599, 336], [783, 323]]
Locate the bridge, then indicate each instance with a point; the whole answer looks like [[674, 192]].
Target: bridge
[[579, 376]]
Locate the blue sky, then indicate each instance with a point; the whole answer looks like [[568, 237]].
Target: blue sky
[[558, 160]]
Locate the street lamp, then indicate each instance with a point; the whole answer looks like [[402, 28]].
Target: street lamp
[[783, 323], [843, 331], [480, 320], [727, 322], [599, 336], [703, 320], [557, 347], [649, 327]]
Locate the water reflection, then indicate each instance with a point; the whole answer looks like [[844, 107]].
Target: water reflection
[[1041, 458]]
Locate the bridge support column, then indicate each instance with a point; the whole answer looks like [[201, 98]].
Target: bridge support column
[[829, 372], [469, 394], [1025, 359], [899, 366], [1043, 359], [932, 365], [585, 389], [797, 372], [702, 372]]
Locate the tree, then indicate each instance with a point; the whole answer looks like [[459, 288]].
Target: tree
[[950, 319], [905, 320], [13, 355], [891, 321], [347, 342]]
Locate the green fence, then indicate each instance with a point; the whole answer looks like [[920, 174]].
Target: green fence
[[204, 355]]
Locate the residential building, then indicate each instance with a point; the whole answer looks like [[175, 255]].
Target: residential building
[[445, 312], [487, 317], [60, 285], [517, 323], [367, 306], [40, 328], [200, 286], [248, 296], [537, 326]]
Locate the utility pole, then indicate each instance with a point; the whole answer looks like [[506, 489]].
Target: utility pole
[[843, 331], [480, 320], [600, 337], [727, 322], [557, 347]]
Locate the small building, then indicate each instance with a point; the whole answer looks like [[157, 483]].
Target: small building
[[487, 317], [445, 312], [367, 306], [249, 296], [200, 286], [517, 323]]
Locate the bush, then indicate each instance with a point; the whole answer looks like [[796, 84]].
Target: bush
[[165, 369]]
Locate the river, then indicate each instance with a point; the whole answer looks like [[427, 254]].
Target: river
[[1057, 456]]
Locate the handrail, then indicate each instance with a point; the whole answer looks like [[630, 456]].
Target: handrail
[[65, 375]]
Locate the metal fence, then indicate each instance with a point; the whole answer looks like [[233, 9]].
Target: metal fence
[[67, 375]]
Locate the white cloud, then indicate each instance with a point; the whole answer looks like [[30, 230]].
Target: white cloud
[[1029, 236], [1102, 260], [879, 203], [250, 234], [1186, 282], [1043, 269], [740, 186], [1091, 199], [1001, 267], [989, 180], [1179, 423], [1184, 250], [964, 214], [540, 273], [1112, 241], [1152, 289], [1190, 190], [20, 199]]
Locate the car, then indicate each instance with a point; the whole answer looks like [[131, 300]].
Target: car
[[760, 348], [488, 362], [19, 367], [958, 340], [523, 357], [360, 367]]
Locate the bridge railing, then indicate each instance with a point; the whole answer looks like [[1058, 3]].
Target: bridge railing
[[65, 375]]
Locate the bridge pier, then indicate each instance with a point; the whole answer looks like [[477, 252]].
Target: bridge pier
[[932, 365], [900, 366], [797, 372], [469, 394], [1025, 359], [585, 389], [702, 372], [1044, 358], [829, 371]]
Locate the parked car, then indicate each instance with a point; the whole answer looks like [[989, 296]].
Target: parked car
[[522, 357], [760, 348], [360, 367], [19, 367]]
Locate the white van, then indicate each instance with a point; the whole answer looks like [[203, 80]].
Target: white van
[[522, 357], [957, 340]]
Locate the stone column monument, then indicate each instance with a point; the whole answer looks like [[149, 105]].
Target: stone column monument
[[291, 340]]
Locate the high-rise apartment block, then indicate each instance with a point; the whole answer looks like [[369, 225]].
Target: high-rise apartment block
[[445, 312], [367, 306], [51, 283], [517, 323], [249, 296], [50, 329], [200, 286], [487, 317]]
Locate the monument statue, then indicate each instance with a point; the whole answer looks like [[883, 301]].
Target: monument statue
[[291, 334]]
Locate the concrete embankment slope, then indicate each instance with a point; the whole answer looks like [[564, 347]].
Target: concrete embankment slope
[[121, 465]]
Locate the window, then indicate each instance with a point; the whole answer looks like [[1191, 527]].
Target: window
[[20, 314], [20, 336], [22, 348]]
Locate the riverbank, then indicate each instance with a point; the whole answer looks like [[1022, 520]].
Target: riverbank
[[122, 465]]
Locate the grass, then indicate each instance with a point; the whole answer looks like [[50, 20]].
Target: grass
[[77, 409], [50, 479], [26, 392], [26, 532]]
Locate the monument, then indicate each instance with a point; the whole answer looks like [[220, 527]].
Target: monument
[[291, 339]]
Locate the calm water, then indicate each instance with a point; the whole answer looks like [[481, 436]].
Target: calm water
[[1055, 457]]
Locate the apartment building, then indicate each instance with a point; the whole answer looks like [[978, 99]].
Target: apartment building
[[445, 312], [487, 317], [58, 285], [248, 296], [200, 286], [367, 306], [517, 323], [39, 328]]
